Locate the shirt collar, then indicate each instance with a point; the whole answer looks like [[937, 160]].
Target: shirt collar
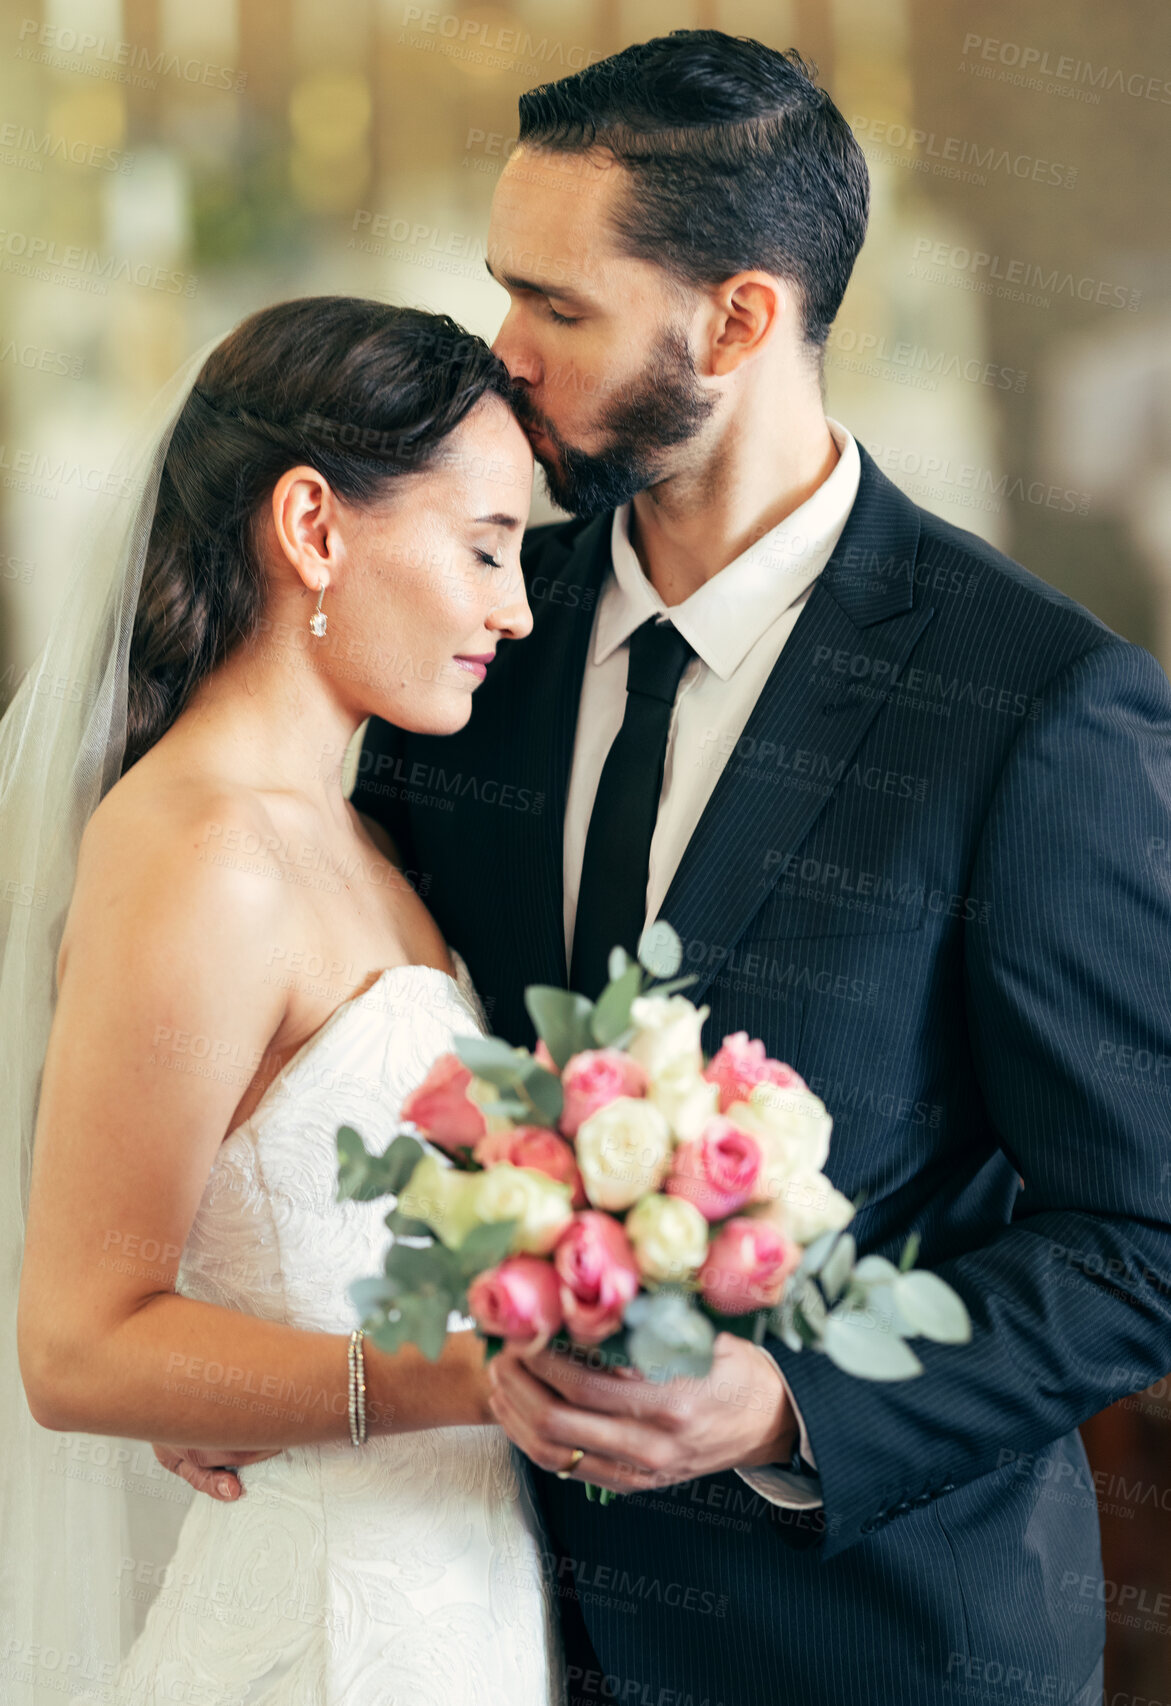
[[725, 617]]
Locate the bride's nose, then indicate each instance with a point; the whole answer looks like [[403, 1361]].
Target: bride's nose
[[512, 619]]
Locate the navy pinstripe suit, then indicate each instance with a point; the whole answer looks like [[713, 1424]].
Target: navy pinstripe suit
[[935, 876]]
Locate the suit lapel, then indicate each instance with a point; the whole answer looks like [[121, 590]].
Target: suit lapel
[[564, 585], [805, 725]]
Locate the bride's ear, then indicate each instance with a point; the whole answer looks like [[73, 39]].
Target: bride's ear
[[304, 515]]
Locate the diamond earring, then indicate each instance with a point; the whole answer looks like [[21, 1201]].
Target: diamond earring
[[318, 620]]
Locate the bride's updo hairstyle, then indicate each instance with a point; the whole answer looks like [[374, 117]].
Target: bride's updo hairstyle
[[362, 391]]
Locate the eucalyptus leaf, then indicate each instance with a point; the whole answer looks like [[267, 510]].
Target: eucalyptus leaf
[[359, 1175], [484, 1246], [561, 1019], [543, 1089], [668, 1336], [910, 1253], [879, 1306], [864, 1351], [390, 1334], [874, 1270], [816, 1252], [430, 1325], [810, 1304], [399, 1162], [513, 1108], [616, 963], [612, 1008], [932, 1307], [412, 1271], [403, 1226], [660, 950], [673, 985], [369, 1294], [489, 1058], [835, 1270]]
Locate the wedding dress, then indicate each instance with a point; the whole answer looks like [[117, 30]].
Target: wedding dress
[[401, 1571]]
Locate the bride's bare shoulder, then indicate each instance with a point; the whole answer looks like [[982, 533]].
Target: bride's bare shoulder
[[171, 859]]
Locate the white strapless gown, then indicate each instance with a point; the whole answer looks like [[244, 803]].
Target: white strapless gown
[[403, 1573]]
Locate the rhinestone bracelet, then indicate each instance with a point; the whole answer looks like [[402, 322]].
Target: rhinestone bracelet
[[357, 1383]]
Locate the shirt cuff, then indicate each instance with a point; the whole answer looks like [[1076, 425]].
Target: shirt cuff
[[780, 1484]]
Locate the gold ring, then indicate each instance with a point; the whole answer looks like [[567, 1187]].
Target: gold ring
[[578, 1454]]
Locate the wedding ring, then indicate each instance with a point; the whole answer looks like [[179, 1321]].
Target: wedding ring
[[578, 1454]]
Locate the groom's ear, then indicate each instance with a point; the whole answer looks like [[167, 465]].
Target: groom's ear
[[750, 310]]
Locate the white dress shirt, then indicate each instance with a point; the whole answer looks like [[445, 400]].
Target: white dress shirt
[[736, 622]]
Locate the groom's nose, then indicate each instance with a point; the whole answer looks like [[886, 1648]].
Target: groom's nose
[[516, 351]]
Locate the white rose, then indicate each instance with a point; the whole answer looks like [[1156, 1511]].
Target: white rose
[[623, 1151], [666, 1034], [542, 1206], [441, 1196], [792, 1127], [669, 1237], [685, 1099], [809, 1205]]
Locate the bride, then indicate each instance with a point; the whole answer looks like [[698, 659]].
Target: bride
[[327, 526]]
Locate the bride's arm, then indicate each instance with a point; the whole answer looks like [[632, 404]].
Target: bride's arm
[[162, 941]]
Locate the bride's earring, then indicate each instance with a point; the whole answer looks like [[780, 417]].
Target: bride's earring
[[318, 619]]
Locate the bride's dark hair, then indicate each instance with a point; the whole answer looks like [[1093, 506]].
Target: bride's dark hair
[[362, 391]]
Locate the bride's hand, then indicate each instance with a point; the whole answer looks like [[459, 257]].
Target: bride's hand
[[205, 1469]]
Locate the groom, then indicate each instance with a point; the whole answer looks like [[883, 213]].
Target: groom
[[909, 810]]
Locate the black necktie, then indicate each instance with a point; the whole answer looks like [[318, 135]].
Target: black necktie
[[611, 901]]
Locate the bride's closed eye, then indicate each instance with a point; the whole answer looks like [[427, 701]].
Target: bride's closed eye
[[487, 557]]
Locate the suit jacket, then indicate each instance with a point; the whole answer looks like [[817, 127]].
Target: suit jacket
[[935, 876]]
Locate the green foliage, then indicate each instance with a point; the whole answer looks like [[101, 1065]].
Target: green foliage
[[667, 1335], [561, 1019], [362, 1176]]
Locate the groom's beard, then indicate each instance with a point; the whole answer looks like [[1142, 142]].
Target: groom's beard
[[664, 405]]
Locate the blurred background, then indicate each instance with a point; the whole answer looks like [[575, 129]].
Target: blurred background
[[1004, 350]]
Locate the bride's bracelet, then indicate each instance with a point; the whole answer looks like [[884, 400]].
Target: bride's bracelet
[[357, 1405]]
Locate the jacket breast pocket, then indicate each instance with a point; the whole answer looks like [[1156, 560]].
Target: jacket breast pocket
[[831, 909]]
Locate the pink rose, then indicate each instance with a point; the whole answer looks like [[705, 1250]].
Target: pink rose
[[593, 1078], [598, 1275], [717, 1170], [494, 1146], [748, 1262], [739, 1064], [517, 1300], [440, 1106], [533, 1146]]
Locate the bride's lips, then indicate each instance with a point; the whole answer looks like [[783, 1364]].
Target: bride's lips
[[475, 662]]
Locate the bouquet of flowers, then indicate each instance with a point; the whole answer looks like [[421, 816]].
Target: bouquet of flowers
[[614, 1189]]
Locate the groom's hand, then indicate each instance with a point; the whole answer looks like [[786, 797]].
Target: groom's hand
[[635, 1434], [212, 1472]]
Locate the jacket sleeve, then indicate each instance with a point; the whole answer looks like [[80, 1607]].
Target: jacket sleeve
[[1068, 996]]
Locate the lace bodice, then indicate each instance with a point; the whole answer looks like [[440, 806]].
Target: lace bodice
[[269, 1236]]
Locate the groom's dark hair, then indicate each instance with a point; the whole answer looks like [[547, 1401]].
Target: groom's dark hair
[[737, 160]]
